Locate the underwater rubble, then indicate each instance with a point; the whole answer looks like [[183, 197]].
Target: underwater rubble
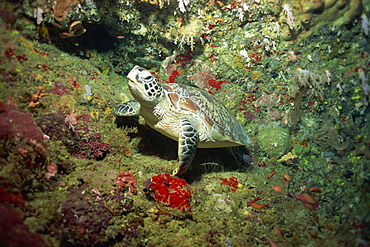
[[294, 73]]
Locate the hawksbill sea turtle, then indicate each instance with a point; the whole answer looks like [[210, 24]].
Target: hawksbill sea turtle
[[185, 114]]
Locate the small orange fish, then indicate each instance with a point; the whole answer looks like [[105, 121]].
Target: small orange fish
[[277, 188], [287, 177], [278, 232], [67, 34], [257, 205], [316, 190]]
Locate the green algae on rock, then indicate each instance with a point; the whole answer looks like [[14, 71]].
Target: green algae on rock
[[274, 141]]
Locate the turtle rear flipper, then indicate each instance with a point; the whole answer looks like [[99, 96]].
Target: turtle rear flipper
[[129, 109]]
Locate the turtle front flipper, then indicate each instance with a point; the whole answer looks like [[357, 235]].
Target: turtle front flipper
[[188, 143], [129, 109]]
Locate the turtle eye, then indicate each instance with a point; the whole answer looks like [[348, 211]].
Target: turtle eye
[[147, 78]]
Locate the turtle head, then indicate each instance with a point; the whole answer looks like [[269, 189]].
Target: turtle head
[[143, 85]]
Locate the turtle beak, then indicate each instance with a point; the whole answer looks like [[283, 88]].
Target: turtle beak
[[135, 84], [134, 73], [133, 81]]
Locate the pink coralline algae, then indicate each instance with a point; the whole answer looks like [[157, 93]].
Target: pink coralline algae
[[52, 170], [54, 126], [71, 120], [202, 78], [173, 192], [7, 196], [207, 80], [92, 147], [84, 219], [13, 231], [17, 123], [86, 214], [60, 90], [86, 146], [85, 118], [126, 179], [21, 139]]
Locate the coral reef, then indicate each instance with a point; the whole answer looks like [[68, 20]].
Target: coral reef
[[294, 73]]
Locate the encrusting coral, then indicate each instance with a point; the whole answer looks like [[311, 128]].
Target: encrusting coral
[[307, 15], [173, 192], [35, 97], [62, 7]]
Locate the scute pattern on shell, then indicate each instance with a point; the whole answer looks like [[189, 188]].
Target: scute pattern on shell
[[215, 116]]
